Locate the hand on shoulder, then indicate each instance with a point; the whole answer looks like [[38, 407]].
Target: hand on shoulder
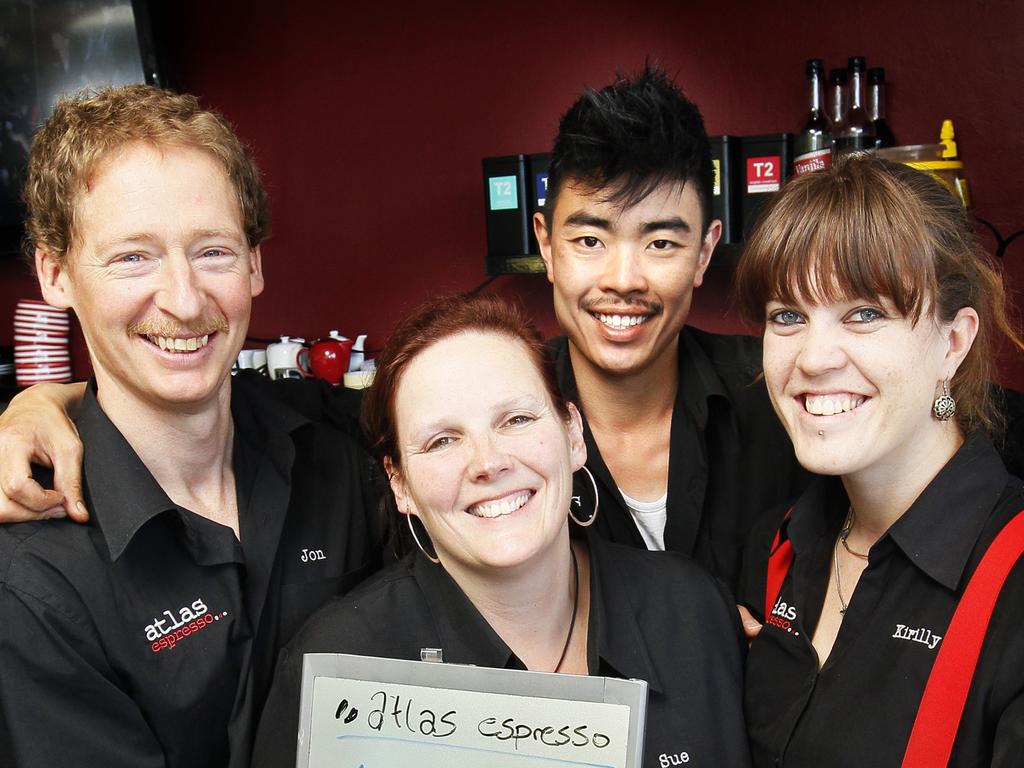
[[36, 429]]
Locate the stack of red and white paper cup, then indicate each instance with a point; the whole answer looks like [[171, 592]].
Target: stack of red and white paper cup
[[41, 343]]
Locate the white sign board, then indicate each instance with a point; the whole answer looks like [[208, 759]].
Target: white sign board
[[365, 712]]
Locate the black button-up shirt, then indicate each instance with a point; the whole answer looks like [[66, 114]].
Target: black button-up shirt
[[148, 636], [859, 709], [682, 638], [729, 461]]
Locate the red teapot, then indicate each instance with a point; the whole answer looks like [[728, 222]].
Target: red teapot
[[328, 358]]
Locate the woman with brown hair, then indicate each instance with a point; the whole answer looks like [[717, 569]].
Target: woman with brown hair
[[880, 312], [479, 448]]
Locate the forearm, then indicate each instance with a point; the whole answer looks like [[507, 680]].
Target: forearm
[[43, 398]]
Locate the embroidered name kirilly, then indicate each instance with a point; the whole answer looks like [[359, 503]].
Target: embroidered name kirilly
[[921, 635]]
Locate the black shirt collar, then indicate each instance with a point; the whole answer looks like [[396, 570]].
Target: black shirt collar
[[466, 637], [698, 380], [938, 543], [700, 389], [122, 493], [970, 484]]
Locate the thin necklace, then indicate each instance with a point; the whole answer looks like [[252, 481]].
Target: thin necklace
[[839, 583], [843, 534], [575, 606], [847, 527]]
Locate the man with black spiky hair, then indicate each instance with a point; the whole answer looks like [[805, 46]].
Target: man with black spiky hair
[[685, 449]]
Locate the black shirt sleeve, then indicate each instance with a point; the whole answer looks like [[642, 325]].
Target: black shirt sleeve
[[277, 738], [61, 700]]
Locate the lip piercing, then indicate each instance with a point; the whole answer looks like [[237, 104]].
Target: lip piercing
[[821, 433]]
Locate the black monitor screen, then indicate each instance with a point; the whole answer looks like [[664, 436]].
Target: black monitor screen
[[49, 48]]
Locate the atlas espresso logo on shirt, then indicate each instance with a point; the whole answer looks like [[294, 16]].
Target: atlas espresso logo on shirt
[[782, 616], [175, 626]]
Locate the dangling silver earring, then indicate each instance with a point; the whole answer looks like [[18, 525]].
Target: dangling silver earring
[[416, 538], [944, 406], [597, 502]]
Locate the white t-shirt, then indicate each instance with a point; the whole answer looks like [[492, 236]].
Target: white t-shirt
[[650, 517]]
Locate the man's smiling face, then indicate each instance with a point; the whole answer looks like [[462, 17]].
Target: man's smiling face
[[624, 277], [160, 276]]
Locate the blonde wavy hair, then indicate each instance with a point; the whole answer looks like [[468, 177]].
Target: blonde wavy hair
[[87, 127]]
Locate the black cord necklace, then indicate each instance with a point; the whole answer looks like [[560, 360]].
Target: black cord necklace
[[575, 607]]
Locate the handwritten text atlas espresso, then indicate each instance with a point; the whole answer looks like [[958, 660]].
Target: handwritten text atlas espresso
[[395, 712]]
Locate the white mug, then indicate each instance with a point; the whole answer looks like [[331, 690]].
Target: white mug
[[245, 358]]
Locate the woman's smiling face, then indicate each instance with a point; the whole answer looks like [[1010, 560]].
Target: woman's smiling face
[[853, 382], [486, 461]]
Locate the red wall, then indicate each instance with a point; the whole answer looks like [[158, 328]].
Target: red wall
[[370, 120]]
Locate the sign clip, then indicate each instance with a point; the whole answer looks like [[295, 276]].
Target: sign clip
[[435, 655]]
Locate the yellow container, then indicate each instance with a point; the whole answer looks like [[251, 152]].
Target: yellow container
[[950, 173]]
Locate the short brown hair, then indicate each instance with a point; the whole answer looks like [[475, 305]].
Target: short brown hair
[[869, 228], [85, 128], [428, 324]]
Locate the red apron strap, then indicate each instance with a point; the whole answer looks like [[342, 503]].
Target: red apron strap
[[945, 694], [780, 558]]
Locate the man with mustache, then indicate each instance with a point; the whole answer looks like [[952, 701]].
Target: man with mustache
[[683, 446], [148, 636]]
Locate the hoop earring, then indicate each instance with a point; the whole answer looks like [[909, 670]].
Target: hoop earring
[[944, 406], [412, 530], [597, 502]]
